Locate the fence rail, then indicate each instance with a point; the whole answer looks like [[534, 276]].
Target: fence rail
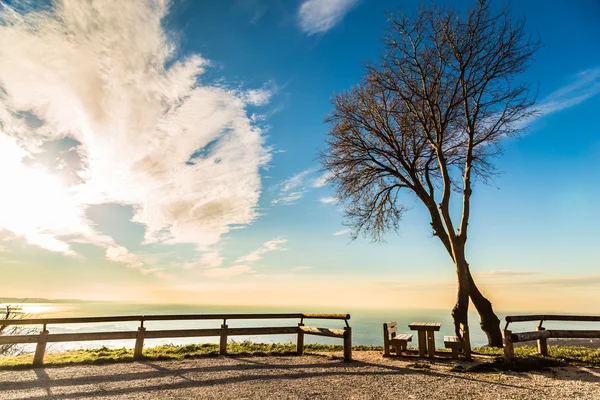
[[542, 318], [142, 333], [179, 317], [542, 335]]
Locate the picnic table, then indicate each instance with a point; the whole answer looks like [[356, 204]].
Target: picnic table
[[425, 331]]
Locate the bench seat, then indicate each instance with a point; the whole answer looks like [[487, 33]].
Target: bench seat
[[400, 342], [403, 337], [311, 330], [454, 343], [393, 340]]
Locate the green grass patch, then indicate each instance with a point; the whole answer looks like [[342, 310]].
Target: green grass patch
[[88, 356], [528, 359], [565, 354], [170, 352]]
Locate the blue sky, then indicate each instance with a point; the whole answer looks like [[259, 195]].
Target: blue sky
[[247, 86]]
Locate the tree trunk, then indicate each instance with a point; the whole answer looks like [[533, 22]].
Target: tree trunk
[[490, 323], [460, 311]]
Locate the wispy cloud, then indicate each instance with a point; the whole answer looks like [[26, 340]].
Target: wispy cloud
[[568, 281], [530, 279], [328, 200], [298, 185], [254, 10], [271, 245], [321, 180], [146, 131], [289, 198], [293, 188], [210, 259], [342, 232], [259, 97], [584, 85], [296, 181], [505, 273], [318, 16]]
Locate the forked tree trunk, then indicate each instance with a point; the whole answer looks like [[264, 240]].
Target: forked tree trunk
[[460, 312], [489, 323]]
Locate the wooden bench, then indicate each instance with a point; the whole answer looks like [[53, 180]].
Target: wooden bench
[[542, 335], [454, 343], [394, 341]]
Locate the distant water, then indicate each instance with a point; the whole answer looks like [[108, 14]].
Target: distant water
[[367, 324]]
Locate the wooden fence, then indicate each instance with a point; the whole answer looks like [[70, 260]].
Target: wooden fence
[[542, 335], [142, 333]]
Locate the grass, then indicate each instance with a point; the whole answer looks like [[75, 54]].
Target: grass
[[528, 359], [169, 352], [565, 354]]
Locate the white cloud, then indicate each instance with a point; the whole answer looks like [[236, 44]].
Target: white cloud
[[318, 16], [210, 259], [184, 154], [293, 188], [328, 200], [289, 198], [271, 245], [585, 85], [296, 186], [343, 232], [257, 97], [120, 254], [301, 268], [321, 181], [296, 180]]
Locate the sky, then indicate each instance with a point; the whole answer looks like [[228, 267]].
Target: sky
[[167, 152]]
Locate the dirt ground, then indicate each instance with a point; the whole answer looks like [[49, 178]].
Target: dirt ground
[[370, 376]]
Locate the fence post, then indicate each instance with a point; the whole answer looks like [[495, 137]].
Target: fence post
[[386, 340], [347, 343], [223, 341], [139, 344], [300, 341], [509, 351], [40, 349], [542, 343]]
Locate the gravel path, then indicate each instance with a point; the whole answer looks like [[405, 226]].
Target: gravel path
[[313, 376]]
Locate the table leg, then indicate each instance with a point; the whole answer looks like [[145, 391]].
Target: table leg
[[422, 344], [430, 344]]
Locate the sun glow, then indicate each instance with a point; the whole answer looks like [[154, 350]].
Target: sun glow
[[31, 309], [38, 203]]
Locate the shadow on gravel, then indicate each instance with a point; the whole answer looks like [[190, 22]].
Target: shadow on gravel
[[533, 364], [172, 376]]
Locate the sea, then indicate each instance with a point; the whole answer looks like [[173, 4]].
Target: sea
[[366, 323]]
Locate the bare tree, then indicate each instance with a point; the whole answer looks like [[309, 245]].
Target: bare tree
[[429, 118]]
